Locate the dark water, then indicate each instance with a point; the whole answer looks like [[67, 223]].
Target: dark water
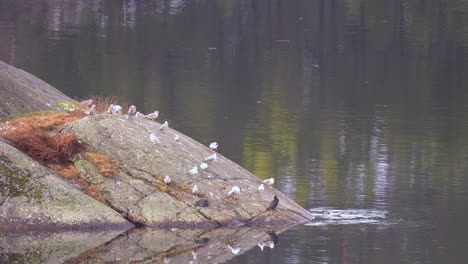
[[348, 104]]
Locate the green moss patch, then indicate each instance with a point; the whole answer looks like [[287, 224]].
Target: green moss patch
[[15, 181], [66, 105]]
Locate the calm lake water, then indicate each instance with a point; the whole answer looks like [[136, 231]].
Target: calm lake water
[[347, 104]]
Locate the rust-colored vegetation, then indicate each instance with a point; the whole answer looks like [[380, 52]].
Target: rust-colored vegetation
[[103, 163], [38, 137]]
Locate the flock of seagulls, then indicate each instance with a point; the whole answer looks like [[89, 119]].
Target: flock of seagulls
[[132, 111]]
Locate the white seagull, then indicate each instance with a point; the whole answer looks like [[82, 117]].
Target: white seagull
[[195, 189], [110, 109], [138, 114], [177, 138], [194, 170], [117, 109], [132, 110], [235, 250], [153, 115], [269, 181], [92, 110], [234, 189], [211, 158], [154, 138], [261, 187], [165, 125], [203, 165], [167, 179], [214, 145]]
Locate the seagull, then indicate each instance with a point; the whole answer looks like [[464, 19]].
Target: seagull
[[272, 244], [167, 260], [195, 189], [273, 203], [153, 115], [211, 158], [261, 187], [117, 109], [194, 254], [214, 145], [235, 250], [138, 114], [132, 110], [203, 165], [194, 170], [110, 109], [261, 246], [177, 138], [167, 179], [234, 189], [165, 125], [92, 110], [154, 138], [269, 181]]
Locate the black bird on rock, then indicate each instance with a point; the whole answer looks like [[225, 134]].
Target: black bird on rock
[[273, 203]]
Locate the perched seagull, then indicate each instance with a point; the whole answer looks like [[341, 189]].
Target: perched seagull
[[86, 103], [154, 138], [214, 145], [194, 254], [167, 179], [211, 158], [110, 109], [269, 181], [272, 244], [132, 110], [261, 187], [195, 189], [177, 138], [234, 189], [194, 170], [203, 165], [92, 110], [117, 109], [138, 114], [235, 250], [153, 115], [273, 203], [165, 125], [261, 246]]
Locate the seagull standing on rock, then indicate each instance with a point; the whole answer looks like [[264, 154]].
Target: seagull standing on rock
[[261, 187], [234, 189], [203, 165], [117, 109], [177, 138], [195, 189], [211, 158], [167, 179], [154, 138], [92, 110], [214, 145], [194, 170], [153, 115], [132, 110], [164, 126], [110, 109], [269, 181]]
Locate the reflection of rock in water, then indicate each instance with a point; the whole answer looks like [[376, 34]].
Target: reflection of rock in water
[[181, 246], [50, 247]]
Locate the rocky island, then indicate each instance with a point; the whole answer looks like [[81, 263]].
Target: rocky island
[[63, 169]]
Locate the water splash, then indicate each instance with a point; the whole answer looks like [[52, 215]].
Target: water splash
[[330, 216]]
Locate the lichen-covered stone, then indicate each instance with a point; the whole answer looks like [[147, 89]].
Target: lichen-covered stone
[[88, 172], [34, 197]]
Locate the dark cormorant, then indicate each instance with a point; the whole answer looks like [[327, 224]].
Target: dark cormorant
[[273, 203]]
